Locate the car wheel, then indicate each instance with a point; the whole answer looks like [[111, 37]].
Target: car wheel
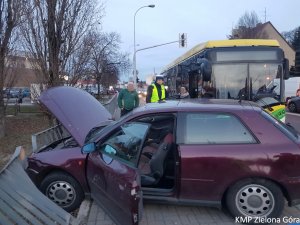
[[292, 107], [64, 190], [255, 198]]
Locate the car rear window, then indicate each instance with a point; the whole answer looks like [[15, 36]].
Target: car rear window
[[288, 130], [213, 128]]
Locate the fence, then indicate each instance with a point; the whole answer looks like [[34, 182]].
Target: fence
[[21, 202], [112, 107], [56, 133]]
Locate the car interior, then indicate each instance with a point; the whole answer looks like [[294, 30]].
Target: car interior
[[157, 160]]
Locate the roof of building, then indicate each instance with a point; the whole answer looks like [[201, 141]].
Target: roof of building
[[260, 28]]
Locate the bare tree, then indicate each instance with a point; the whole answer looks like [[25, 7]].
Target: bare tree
[[10, 17], [106, 60], [77, 67], [289, 35], [54, 31], [247, 27]]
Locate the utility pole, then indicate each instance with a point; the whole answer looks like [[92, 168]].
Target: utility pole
[[265, 13]]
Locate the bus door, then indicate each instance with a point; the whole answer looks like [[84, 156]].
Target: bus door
[[194, 78]]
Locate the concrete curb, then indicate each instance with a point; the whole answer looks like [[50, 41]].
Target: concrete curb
[[83, 212]]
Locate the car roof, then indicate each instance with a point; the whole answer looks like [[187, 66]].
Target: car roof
[[200, 105]]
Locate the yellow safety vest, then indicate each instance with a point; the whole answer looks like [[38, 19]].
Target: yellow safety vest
[[154, 97]]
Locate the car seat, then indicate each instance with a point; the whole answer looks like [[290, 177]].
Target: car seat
[[152, 166]]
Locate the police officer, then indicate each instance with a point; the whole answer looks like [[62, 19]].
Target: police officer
[[156, 92]]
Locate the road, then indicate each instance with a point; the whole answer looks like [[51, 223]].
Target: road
[[294, 120]]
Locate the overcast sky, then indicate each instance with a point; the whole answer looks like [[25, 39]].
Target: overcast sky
[[201, 20]]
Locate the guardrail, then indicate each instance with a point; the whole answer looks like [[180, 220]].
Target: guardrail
[[46, 137], [112, 107], [56, 133], [21, 202]]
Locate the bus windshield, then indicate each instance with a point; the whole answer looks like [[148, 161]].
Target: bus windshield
[[247, 80]]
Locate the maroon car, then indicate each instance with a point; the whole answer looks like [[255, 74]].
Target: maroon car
[[206, 152]]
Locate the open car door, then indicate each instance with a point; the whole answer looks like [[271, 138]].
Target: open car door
[[113, 175]]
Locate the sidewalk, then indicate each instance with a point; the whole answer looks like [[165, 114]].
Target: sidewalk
[[155, 214]]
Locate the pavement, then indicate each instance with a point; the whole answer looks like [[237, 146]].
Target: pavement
[[156, 214]]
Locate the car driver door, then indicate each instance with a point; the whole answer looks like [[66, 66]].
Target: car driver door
[[113, 176]]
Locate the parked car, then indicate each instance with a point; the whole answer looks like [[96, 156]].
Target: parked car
[[207, 152], [26, 92], [293, 104], [12, 92]]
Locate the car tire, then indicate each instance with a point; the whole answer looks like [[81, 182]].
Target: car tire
[[292, 107], [63, 189], [255, 198]]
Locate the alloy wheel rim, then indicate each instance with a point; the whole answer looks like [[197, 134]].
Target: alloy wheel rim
[[62, 193], [255, 201]]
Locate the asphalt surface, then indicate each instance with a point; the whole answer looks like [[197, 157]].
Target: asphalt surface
[[294, 120]]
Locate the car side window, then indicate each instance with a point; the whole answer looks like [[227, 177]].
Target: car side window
[[213, 128], [125, 143]]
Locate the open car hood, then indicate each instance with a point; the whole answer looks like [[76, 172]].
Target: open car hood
[[77, 110]]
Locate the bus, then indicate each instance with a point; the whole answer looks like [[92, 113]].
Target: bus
[[243, 69]]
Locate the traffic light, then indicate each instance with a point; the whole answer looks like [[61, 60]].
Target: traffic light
[[182, 40], [137, 80]]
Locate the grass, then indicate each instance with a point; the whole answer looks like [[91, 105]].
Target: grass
[[18, 132], [20, 125]]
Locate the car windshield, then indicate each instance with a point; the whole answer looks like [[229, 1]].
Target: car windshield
[[234, 80], [126, 142], [95, 132], [267, 101]]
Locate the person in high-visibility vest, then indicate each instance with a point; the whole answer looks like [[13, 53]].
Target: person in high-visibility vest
[[156, 92]]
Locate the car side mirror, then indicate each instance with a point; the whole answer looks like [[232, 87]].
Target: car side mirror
[[88, 148], [205, 68]]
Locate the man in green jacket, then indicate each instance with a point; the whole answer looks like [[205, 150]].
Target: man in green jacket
[[128, 99]]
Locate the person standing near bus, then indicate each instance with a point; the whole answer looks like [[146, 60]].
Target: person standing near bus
[[184, 93], [128, 99], [156, 92]]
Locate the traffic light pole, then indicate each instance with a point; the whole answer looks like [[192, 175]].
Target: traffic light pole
[[154, 46]]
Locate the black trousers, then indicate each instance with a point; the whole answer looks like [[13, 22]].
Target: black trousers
[[125, 111]]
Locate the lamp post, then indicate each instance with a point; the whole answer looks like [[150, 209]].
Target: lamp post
[[134, 45]]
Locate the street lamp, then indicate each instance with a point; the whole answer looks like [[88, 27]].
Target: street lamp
[[134, 45]]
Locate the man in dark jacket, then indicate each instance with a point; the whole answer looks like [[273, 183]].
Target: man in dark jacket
[[128, 99], [156, 92]]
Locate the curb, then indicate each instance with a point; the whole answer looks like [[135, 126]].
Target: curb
[[83, 212]]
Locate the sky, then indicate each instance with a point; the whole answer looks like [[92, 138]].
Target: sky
[[200, 20]]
